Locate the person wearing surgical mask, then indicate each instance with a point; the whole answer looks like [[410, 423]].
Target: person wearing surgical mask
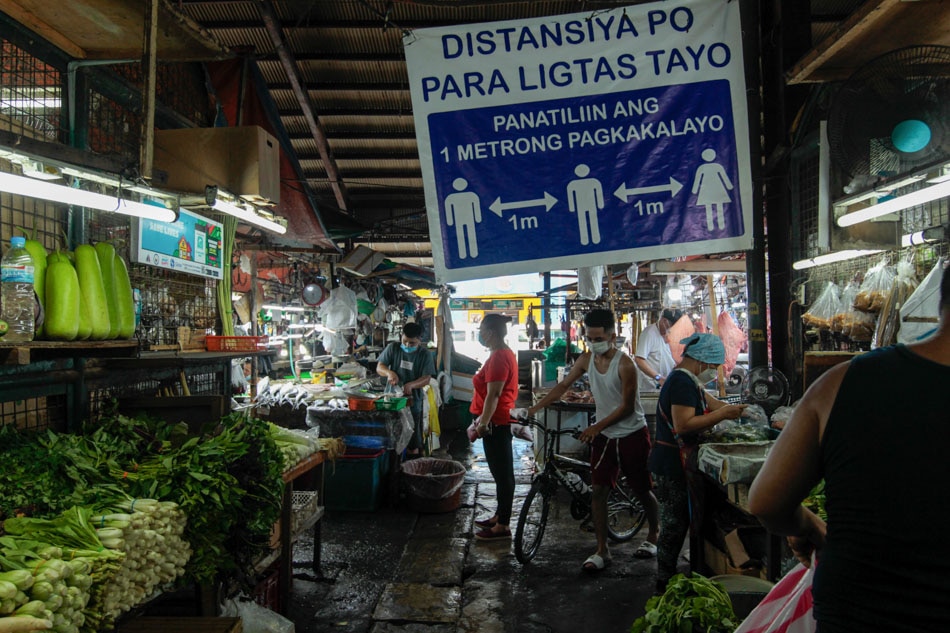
[[619, 440], [409, 365], [684, 408]]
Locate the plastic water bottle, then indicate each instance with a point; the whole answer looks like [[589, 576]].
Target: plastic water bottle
[[16, 292], [137, 297]]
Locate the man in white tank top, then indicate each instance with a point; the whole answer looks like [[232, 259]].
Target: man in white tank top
[[619, 439]]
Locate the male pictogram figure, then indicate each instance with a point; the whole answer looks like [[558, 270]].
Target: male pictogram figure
[[464, 210], [585, 196]]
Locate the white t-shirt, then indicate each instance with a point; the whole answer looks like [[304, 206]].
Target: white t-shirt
[[653, 347]]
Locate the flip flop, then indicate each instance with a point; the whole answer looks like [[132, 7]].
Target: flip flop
[[595, 563], [646, 550]]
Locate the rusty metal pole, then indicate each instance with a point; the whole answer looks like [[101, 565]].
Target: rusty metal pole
[[287, 60]]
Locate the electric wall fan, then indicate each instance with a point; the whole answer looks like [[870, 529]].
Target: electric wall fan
[[892, 116]]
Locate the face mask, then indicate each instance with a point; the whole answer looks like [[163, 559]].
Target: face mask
[[707, 374], [599, 347], [481, 340], [408, 348]]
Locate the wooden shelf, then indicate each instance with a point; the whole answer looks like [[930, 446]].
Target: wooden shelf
[[26, 353], [305, 465]]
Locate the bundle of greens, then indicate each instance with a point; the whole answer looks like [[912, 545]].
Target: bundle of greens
[[68, 564], [228, 482], [689, 605]]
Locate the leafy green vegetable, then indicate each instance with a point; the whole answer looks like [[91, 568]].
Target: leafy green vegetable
[[688, 605]]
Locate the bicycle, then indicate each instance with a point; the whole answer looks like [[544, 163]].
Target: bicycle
[[625, 514]]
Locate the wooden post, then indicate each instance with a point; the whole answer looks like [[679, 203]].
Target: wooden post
[[714, 310], [150, 71]]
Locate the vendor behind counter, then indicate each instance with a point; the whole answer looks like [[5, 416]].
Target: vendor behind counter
[[408, 364]]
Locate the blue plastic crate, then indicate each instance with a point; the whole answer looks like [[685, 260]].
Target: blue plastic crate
[[355, 481]]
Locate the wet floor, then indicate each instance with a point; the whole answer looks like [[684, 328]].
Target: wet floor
[[396, 570]]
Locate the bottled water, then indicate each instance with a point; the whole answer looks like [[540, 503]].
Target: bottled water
[[16, 292]]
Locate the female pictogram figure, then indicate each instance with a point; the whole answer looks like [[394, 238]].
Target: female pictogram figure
[[711, 186]]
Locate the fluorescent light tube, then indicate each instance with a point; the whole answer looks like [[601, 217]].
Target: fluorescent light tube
[[921, 196], [830, 258], [284, 308], [31, 188], [248, 216]]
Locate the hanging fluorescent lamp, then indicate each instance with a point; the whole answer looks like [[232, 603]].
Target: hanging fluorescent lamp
[[830, 258], [31, 188], [248, 216], [284, 308], [913, 199]]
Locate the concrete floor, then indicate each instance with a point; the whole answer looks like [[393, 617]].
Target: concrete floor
[[395, 570]]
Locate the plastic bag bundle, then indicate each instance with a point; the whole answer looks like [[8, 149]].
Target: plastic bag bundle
[[875, 287], [845, 307], [852, 323], [902, 288], [823, 311]]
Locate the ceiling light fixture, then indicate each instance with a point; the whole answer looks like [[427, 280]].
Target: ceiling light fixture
[[248, 216], [913, 199], [830, 258], [32, 188]]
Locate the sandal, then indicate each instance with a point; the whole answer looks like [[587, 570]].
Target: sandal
[[486, 523], [488, 535], [646, 550], [595, 563]]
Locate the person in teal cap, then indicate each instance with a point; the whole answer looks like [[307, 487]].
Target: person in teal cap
[[683, 409]]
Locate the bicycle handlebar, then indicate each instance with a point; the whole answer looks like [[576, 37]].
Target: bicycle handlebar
[[530, 421]]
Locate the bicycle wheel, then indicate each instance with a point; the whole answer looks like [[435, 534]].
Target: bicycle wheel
[[532, 520], [625, 513]]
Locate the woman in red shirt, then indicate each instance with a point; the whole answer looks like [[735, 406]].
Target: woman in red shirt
[[496, 389]]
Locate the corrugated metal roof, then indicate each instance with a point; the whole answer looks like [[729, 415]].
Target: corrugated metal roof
[[349, 54]]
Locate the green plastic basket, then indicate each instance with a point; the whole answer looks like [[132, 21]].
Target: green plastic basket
[[391, 404]]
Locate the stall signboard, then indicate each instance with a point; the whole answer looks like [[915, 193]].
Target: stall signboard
[[486, 304], [192, 244], [583, 139]]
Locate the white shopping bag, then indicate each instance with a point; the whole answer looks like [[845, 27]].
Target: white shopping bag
[[786, 608]]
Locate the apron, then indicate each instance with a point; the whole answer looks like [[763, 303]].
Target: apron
[[689, 459]]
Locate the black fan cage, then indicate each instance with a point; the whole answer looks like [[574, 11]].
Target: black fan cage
[[911, 83]]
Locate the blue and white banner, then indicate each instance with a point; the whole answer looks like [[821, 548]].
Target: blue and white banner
[[583, 139]]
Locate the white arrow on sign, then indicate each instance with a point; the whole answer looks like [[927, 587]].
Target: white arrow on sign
[[498, 206], [624, 194]]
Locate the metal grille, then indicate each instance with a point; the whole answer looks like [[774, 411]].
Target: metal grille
[[35, 414], [113, 129], [805, 202], [102, 400], [30, 94], [169, 299], [178, 86]]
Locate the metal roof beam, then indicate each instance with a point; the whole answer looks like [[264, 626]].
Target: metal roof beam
[[327, 86], [269, 15], [352, 111]]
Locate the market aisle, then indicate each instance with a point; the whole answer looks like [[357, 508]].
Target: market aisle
[[398, 571]]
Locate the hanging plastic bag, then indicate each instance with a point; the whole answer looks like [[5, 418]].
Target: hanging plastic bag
[[845, 307], [824, 309], [590, 282], [920, 314], [787, 608], [875, 287], [888, 322], [633, 273], [339, 310]]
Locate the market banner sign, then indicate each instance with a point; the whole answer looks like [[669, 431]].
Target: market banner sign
[[191, 245], [584, 139]]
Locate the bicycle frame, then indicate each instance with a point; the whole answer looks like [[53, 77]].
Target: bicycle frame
[[532, 520]]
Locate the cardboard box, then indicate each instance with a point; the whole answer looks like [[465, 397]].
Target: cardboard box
[[735, 549], [719, 563], [362, 260], [242, 160]]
